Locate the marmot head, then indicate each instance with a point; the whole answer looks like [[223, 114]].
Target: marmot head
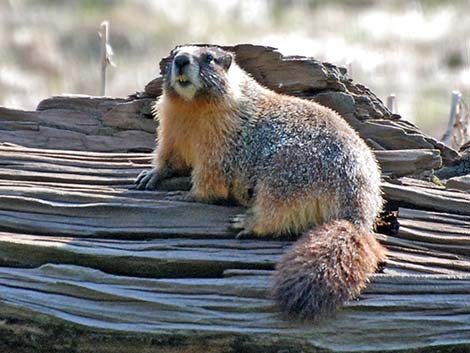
[[194, 71]]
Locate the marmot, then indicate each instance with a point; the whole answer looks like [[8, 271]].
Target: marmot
[[298, 166]]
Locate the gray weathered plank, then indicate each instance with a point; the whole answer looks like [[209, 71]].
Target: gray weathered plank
[[97, 258], [198, 257], [392, 314], [144, 258], [428, 198], [408, 162], [393, 163]]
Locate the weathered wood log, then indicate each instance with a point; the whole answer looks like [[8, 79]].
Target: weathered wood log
[[170, 258], [428, 198], [459, 183], [186, 257], [42, 199], [435, 230], [396, 163], [393, 163], [216, 308], [82, 123], [86, 263]]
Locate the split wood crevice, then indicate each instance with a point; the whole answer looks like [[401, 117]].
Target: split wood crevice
[[87, 264]]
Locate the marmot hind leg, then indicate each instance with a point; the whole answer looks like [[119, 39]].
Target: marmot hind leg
[[276, 215]]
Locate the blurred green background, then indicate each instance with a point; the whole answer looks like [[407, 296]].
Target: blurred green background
[[418, 50]]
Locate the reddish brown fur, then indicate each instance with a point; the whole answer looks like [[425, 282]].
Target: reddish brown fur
[[192, 134], [275, 216]]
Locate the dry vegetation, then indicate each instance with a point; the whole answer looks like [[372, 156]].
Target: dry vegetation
[[416, 49]]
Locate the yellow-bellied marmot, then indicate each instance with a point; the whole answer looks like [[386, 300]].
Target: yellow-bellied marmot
[[297, 164]]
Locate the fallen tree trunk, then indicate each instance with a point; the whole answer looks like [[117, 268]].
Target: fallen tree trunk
[[86, 262]]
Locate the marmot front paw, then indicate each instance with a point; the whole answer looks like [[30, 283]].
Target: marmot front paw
[[148, 179]]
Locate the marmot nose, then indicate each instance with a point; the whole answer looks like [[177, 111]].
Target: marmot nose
[[181, 61]]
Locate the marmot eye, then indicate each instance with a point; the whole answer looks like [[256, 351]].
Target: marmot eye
[[209, 58]]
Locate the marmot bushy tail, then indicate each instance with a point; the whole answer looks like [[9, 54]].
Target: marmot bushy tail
[[298, 165], [326, 267]]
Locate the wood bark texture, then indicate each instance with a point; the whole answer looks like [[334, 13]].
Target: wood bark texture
[[88, 264]]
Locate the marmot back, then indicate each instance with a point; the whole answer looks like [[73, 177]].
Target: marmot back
[[298, 166]]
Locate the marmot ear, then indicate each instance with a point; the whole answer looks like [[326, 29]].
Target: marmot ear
[[227, 60], [165, 63], [175, 50]]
